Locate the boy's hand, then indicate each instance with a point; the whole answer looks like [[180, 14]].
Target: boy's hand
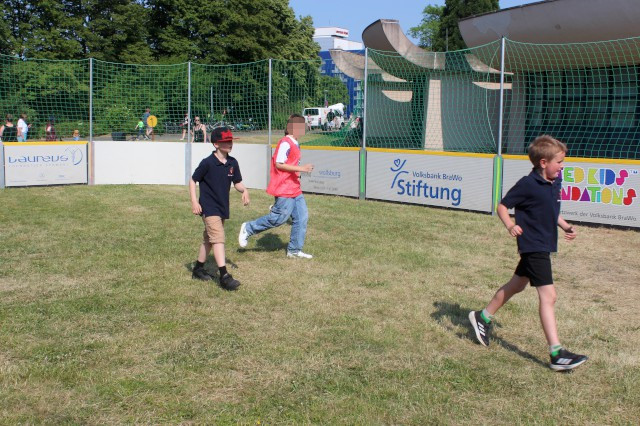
[[515, 230], [307, 168], [196, 208], [245, 198], [570, 233]]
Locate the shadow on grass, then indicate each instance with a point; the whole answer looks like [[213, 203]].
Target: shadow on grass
[[459, 318], [267, 242], [210, 265]]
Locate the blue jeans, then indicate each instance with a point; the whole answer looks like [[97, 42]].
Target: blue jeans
[[280, 212]]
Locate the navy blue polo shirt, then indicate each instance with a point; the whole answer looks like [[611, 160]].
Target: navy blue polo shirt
[[537, 206], [215, 180]]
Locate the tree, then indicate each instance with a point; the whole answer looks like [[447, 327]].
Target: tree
[[334, 90], [449, 37], [229, 31], [429, 29], [74, 29]]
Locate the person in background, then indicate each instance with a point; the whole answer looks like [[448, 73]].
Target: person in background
[[23, 128], [199, 131], [145, 120], [185, 126], [76, 135], [8, 132], [50, 130]]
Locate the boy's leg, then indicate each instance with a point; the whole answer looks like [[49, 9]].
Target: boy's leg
[[515, 285], [547, 296], [300, 216], [278, 215], [215, 230], [198, 271], [481, 320]]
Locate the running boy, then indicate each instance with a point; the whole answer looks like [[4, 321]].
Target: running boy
[[215, 175], [285, 187], [536, 200]]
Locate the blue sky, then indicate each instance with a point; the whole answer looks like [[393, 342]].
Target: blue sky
[[356, 15]]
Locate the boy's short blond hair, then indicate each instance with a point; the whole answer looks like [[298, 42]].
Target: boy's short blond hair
[[545, 147]]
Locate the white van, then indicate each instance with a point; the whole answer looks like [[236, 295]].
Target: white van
[[318, 117]]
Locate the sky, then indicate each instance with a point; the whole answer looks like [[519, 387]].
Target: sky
[[356, 15]]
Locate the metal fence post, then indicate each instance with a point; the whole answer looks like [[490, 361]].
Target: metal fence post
[[270, 116], [189, 102], [363, 149], [188, 149], [90, 99], [91, 163], [497, 163], [500, 116]]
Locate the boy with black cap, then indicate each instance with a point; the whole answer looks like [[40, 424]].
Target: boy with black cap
[[215, 175]]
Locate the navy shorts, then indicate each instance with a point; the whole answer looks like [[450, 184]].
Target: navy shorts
[[537, 267]]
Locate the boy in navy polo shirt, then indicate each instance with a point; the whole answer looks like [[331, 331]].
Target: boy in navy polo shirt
[[536, 200], [215, 175]]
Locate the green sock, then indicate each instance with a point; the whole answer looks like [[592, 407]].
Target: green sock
[[554, 349], [486, 317]]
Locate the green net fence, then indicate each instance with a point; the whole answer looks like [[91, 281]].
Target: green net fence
[[584, 94], [46, 91]]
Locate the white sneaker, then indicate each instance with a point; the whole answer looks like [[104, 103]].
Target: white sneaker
[[300, 254], [243, 236]]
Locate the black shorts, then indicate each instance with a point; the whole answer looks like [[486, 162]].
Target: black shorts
[[537, 267]]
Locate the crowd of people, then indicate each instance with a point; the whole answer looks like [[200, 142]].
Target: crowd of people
[[19, 132]]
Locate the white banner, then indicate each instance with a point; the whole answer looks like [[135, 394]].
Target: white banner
[[596, 191], [335, 171], [42, 163], [462, 181]]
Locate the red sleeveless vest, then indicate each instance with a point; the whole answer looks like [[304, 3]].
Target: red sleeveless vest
[[285, 184]]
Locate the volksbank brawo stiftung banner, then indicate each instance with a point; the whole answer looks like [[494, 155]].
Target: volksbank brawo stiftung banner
[[462, 181]]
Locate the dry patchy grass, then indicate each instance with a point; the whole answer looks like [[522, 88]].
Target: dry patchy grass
[[101, 322]]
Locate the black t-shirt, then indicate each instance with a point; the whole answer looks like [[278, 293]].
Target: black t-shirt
[[215, 180], [10, 134], [537, 206]]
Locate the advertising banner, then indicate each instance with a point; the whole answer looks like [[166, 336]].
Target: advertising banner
[[454, 180], [596, 191], [45, 163], [335, 171]]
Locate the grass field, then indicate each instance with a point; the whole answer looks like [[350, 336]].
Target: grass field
[[100, 321]]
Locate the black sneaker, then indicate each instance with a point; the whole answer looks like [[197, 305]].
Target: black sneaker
[[201, 274], [566, 360], [481, 328], [229, 283]]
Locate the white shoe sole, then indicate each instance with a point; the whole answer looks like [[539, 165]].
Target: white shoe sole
[[474, 324], [243, 230]]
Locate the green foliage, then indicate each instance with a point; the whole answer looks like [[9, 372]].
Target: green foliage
[[334, 90], [428, 30], [167, 31], [231, 31], [449, 37]]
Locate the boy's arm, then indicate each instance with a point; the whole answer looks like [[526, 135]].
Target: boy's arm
[[569, 232], [503, 214], [196, 208], [244, 191], [307, 168]]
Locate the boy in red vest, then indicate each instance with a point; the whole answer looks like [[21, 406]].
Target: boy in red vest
[[285, 187]]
